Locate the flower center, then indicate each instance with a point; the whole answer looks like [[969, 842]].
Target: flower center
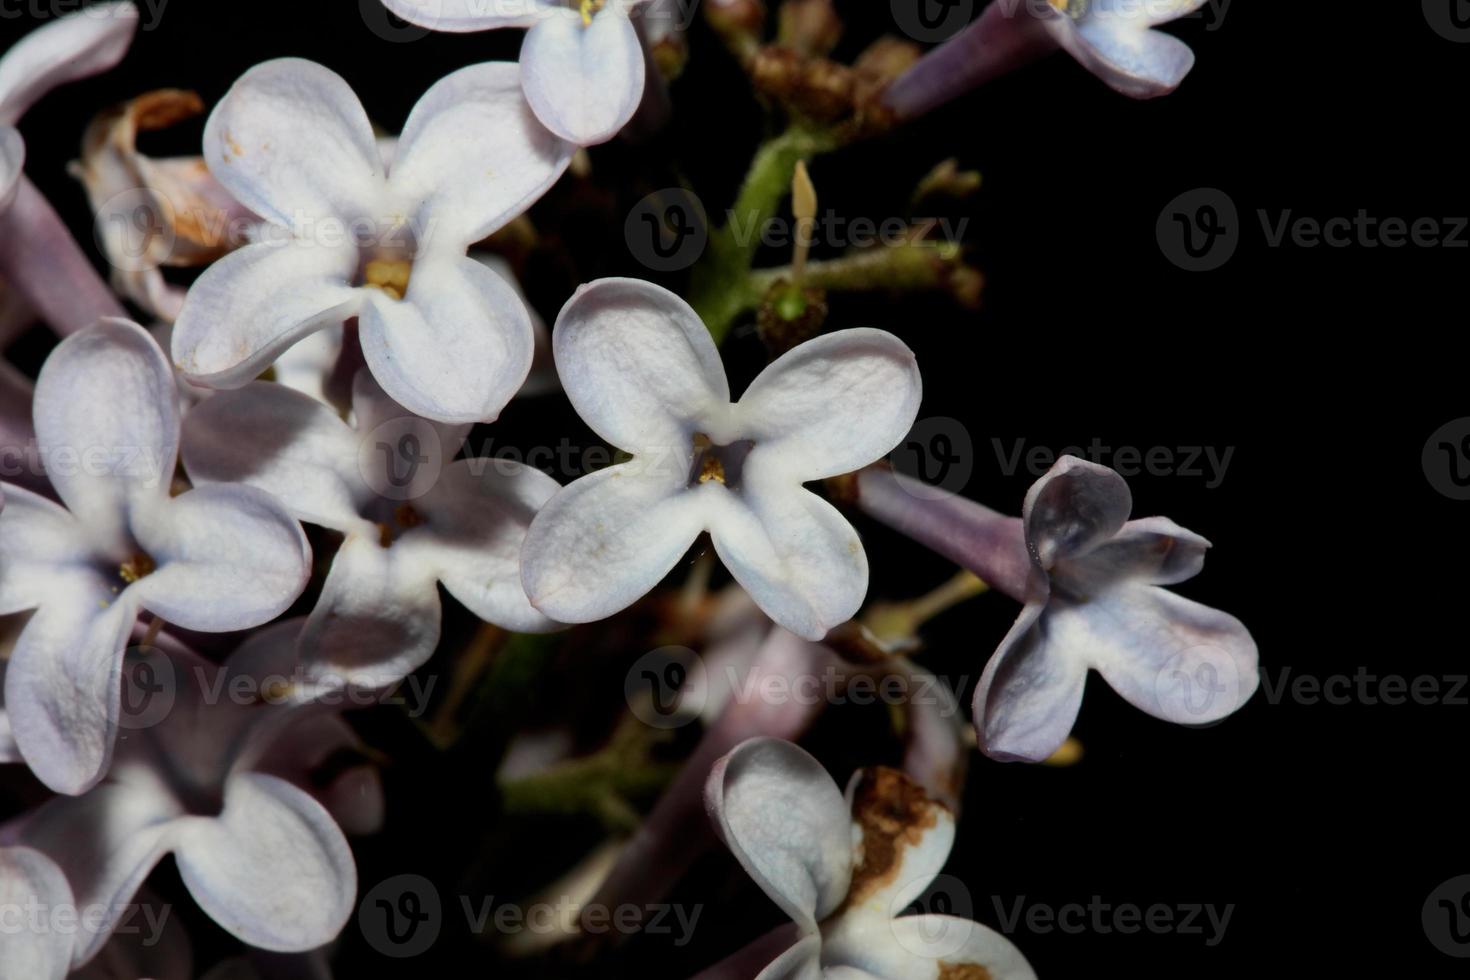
[[137, 567], [386, 257], [389, 275], [588, 8], [719, 464], [1075, 9], [404, 518]]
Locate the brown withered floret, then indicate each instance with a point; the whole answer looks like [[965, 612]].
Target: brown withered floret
[[894, 812], [963, 971]]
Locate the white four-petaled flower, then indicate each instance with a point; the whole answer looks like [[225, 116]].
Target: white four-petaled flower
[[351, 237], [641, 370], [218, 772], [582, 64], [216, 558], [409, 520], [844, 869]]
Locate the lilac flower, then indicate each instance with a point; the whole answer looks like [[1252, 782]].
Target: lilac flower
[[257, 851], [409, 521], [581, 63], [37, 254], [215, 559], [1113, 39], [843, 870], [641, 370], [350, 237], [1092, 582]]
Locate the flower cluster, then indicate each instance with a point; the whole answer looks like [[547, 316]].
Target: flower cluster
[[266, 505]]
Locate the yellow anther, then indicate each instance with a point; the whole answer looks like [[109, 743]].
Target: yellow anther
[[590, 7], [389, 275], [711, 469], [137, 567]]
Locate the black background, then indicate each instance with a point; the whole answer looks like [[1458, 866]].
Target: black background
[[1326, 369]]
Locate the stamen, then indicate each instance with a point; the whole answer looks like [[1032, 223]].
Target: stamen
[[389, 275], [1074, 9], [590, 7], [137, 567], [712, 469]]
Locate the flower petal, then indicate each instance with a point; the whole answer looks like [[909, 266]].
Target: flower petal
[[904, 838], [477, 514], [463, 16], [255, 302], [377, 618], [605, 540], [1153, 550], [928, 947], [785, 821], [272, 869], [1030, 691], [29, 879], [63, 687], [1172, 657], [292, 143], [106, 842], [371, 408], [1073, 508], [474, 154], [802, 961], [88, 42], [799, 559], [283, 442], [833, 404], [584, 82], [12, 165], [42, 545], [1128, 56], [639, 366], [455, 348], [106, 397], [229, 557]]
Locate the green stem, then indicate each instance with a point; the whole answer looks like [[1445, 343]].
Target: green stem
[[721, 287], [908, 265]]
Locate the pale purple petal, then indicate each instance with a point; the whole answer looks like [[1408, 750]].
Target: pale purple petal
[[785, 821], [229, 557], [833, 404], [925, 947], [605, 540], [639, 366], [1073, 508], [292, 143], [44, 550], [477, 515], [463, 16], [30, 879], [583, 81], [458, 345], [107, 395], [1030, 692], [272, 868], [283, 442], [254, 303], [87, 42], [474, 154]]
